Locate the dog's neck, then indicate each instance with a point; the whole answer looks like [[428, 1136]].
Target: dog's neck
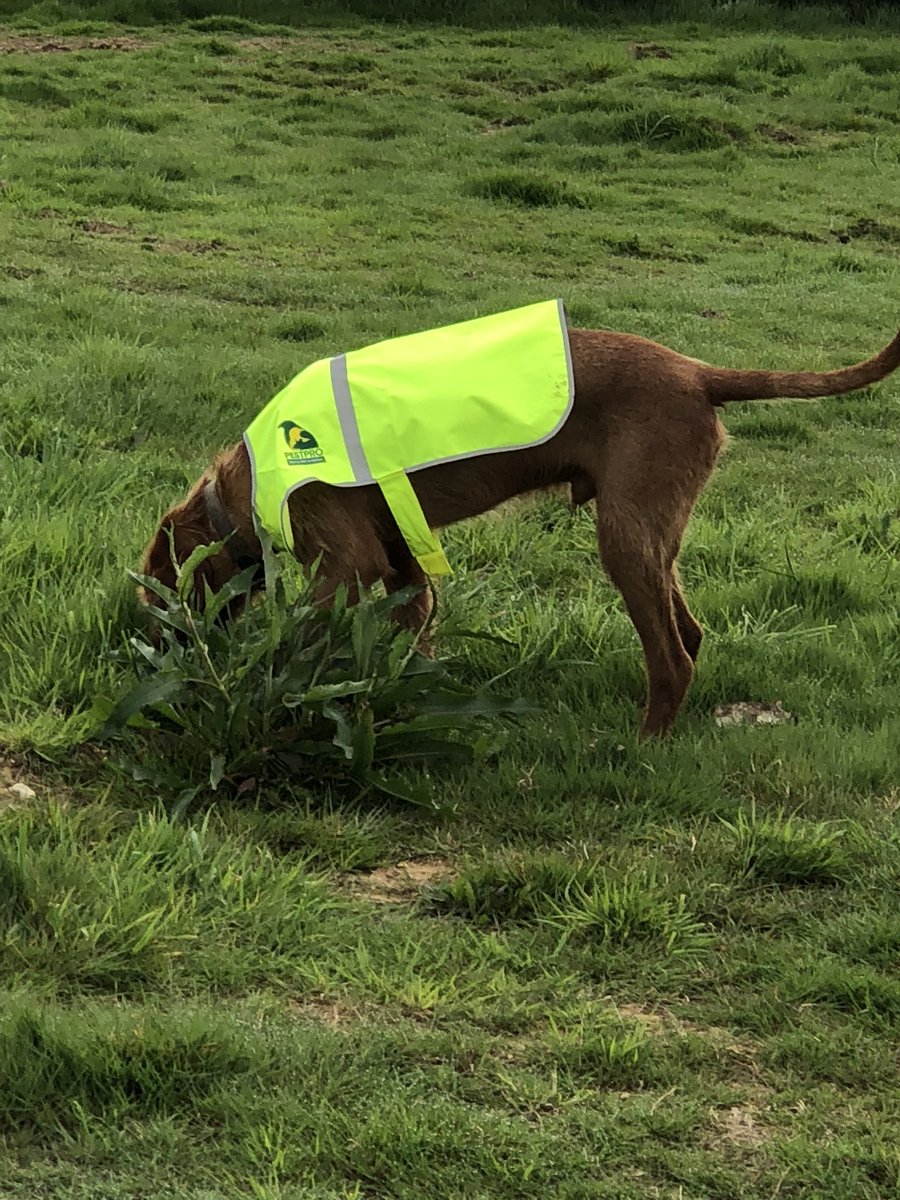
[[226, 529]]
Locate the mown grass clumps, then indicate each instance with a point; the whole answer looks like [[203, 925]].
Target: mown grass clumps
[[776, 428], [684, 130], [584, 119], [527, 190], [785, 851], [300, 328], [604, 1054], [870, 523], [826, 593], [290, 689], [515, 888], [769, 58], [581, 901], [59, 1069], [125, 915], [856, 990], [33, 91]]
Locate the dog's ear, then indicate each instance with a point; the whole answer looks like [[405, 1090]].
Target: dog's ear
[[157, 562], [180, 532]]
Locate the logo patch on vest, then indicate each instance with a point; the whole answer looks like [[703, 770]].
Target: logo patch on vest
[[302, 447]]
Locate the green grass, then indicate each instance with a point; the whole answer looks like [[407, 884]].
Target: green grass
[[612, 970]]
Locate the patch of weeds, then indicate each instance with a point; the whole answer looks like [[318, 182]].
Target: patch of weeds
[[843, 1054], [302, 100], [786, 851], [530, 191], [335, 836], [120, 914], [321, 695]]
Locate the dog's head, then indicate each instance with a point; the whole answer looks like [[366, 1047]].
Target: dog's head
[[182, 529]]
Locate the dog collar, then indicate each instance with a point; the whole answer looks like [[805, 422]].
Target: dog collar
[[225, 530]]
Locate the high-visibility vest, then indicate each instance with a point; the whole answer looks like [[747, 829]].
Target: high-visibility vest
[[380, 414]]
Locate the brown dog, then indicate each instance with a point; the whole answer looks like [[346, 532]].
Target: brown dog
[[642, 439]]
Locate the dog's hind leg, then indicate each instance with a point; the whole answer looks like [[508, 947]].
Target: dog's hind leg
[[638, 567], [688, 627], [647, 483]]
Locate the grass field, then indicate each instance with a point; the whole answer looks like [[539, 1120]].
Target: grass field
[[606, 970]]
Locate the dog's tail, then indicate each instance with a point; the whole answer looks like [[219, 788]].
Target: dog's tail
[[724, 385]]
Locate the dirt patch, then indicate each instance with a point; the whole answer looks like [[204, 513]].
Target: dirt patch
[[333, 1013], [650, 50], [183, 247], [272, 43], [740, 1127], [147, 287], [17, 786], [653, 1022], [868, 227], [150, 241], [64, 45], [103, 227], [751, 712], [398, 884], [712, 314], [662, 1023]]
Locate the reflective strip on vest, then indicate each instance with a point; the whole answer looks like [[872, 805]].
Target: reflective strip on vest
[[379, 414]]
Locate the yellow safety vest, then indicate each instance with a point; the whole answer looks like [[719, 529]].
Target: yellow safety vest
[[379, 414]]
